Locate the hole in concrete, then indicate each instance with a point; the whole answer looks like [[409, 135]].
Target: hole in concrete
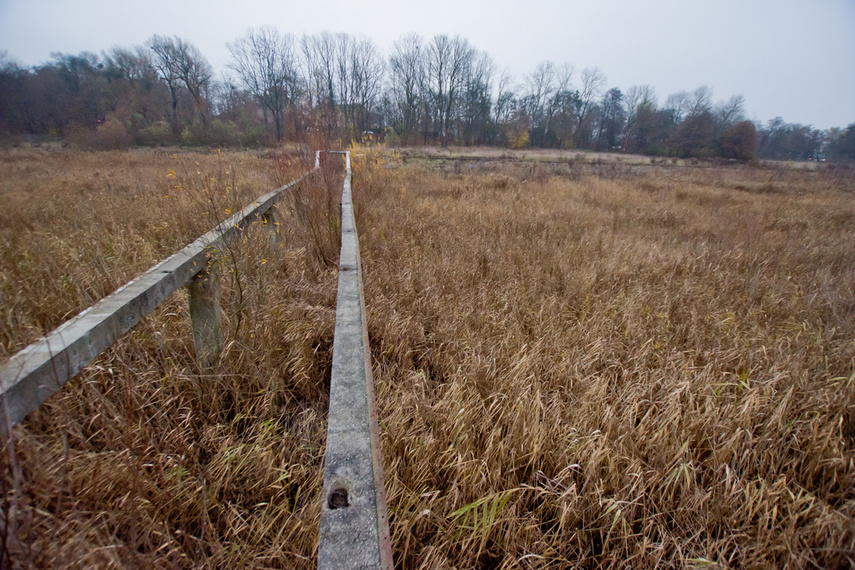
[[338, 498]]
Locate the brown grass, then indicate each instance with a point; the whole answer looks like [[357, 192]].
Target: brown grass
[[143, 460], [575, 367], [75, 226], [652, 371]]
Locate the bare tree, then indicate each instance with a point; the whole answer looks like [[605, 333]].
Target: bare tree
[[564, 77], [366, 71], [538, 101], [562, 109], [345, 76], [700, 101], [133, 64], [638, 97], [730, 112], [504, 106], [318, 58], [265, 61], [678, 103], [407, 69], [319, 53], [447, 62], [195, 73], [180, 63], [695, 134], [593, 83], [342, 62], [476, 99], [165, 54], [505, 97], [134, 86]]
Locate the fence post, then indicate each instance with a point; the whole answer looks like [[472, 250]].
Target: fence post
[[206, 316], [270, 219]]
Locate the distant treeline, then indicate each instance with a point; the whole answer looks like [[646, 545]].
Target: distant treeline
[[426, 91]]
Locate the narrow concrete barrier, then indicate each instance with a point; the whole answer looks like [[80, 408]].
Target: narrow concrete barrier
[[354, 530], [39, 370]]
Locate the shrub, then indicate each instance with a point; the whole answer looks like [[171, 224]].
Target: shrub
[[740, 141], [392, 138], [224, 133], [217, 132], [156, 134], [254, 134], [517, 138], [109, 135]]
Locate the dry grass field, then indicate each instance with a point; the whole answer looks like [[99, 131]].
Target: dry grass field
[[576, 366], [647, 371], [144, 460], [75, 226]]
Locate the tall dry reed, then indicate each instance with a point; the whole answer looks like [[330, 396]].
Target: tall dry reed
[[649, 369], [577, 365], [144, 460]]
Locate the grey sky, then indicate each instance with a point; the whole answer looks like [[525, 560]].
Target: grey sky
[[793, 59]]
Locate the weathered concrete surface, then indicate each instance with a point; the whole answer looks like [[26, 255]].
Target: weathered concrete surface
[[270, 219], [39, 370], [354, 529], [206, 316]]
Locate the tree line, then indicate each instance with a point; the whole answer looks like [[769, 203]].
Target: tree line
[[435, 91]]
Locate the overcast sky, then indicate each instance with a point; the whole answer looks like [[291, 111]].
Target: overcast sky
[[788, 58]]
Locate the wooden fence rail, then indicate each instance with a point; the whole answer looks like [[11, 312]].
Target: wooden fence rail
[[40, 369]]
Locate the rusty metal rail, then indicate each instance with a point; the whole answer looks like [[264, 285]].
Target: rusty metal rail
[[42, 368], [354, 529]]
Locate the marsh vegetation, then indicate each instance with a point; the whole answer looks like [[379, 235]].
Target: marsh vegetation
[[575, 366]]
